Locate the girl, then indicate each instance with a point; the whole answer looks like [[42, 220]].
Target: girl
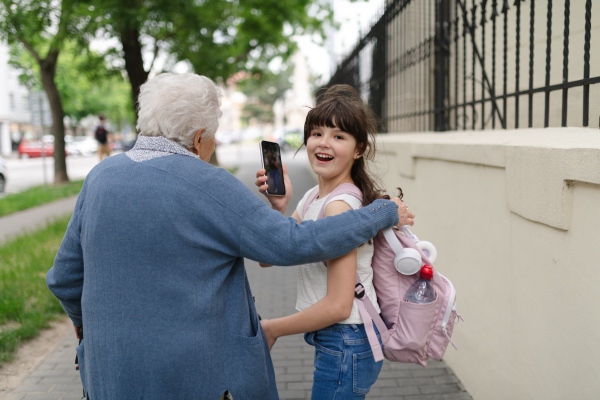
[[338, 135]]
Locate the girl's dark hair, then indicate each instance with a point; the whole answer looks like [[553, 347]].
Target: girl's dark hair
[[341, 106]]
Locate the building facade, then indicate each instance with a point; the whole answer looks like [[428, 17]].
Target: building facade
[[15, 115]]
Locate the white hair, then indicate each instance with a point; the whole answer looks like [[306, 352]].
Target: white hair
[[177, 106]]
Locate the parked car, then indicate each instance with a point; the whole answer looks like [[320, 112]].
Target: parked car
[[80, 145], [2, 175], [291, 140], [34, 149]]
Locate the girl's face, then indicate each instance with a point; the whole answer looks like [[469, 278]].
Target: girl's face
[[331, 152]]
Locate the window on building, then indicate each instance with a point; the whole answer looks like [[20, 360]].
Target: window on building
[[11, 101], [25, 103]]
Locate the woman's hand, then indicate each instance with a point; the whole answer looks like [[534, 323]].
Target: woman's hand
[[279, 203], [271, 338], [406, 217]]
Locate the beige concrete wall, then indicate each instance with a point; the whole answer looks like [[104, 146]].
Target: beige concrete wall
[[515, 216]]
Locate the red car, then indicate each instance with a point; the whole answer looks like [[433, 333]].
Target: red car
[[34, 149]]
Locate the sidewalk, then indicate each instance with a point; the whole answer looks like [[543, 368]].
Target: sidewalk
[[55, 377]]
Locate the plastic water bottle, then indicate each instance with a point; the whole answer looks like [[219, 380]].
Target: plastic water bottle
[[421, 291]]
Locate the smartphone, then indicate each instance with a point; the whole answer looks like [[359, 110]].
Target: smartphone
[[271, 162]]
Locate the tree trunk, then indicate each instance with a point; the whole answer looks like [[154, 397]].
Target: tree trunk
[[134, 63], [48, 71]]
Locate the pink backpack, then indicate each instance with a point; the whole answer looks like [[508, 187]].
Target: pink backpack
[[409, 332]]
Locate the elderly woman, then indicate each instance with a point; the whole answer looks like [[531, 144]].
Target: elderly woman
[[152, 262]]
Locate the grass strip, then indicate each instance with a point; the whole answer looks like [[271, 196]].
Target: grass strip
[[37, 196], [26, 304]]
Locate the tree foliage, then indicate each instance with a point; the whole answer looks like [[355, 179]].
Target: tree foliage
[[217, 38], [85, 84], [262, 91], [42, 27]]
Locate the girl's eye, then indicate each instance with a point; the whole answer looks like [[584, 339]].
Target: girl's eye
[[316, 134], [339, 137]]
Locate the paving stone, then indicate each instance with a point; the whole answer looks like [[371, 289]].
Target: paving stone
[[436, 364], [414, 381], [288, 363], [31, 380], [290, 378], [292, 394], [13, 396], [438, 380], [431, 389], [400, 391], [68, 387], [374, 392], [428, 373], [299, 386], [52, 372], [47, 366], [60, 379], [457, 396], [300, 370], [394, 374], [424, 397], [40, 387], [45, 396], [381, 383]]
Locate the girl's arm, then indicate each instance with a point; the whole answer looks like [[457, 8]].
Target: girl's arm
[[334, 307]]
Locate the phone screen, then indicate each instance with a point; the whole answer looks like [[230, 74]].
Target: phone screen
[[271, 160]]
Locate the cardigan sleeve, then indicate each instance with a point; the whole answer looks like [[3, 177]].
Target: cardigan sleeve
[[268, 237], [65, 278]]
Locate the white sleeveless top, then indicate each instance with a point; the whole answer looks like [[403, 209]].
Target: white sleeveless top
[[312, 278]]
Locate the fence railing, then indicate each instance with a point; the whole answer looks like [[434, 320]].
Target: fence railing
[[478, 64]]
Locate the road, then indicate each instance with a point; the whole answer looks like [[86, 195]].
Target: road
[[23, 174]]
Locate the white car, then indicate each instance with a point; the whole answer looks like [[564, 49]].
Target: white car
[[2, 175], [80, 145]]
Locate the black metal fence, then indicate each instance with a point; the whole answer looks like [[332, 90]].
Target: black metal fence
[[478, 64]]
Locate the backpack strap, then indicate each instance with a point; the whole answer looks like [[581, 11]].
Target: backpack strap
[[309, 200], [369, 316], [366, 309]]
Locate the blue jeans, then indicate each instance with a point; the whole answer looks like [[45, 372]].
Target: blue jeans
[[344, 363]]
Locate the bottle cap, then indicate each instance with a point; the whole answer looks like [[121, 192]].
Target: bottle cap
[[427, 272]]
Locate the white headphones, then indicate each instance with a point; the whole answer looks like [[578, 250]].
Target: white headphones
[[408, 261]]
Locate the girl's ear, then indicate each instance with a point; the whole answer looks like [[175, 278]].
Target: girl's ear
[[359, 152]]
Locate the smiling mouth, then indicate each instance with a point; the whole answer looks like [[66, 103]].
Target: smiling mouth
[[324, 157]]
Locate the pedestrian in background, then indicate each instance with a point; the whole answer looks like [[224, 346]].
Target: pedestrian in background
[[104, 137]]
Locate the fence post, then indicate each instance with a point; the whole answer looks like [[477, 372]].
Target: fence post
[[442, 64]]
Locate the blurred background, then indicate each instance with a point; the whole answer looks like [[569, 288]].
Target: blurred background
[[64, 63]]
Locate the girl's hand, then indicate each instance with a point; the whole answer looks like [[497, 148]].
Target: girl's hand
[[406, 217], [271, 338], [279, 203]]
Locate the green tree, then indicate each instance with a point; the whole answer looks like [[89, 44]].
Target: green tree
[[216, 37], [263, 90], [85, 83], [42, 27]]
